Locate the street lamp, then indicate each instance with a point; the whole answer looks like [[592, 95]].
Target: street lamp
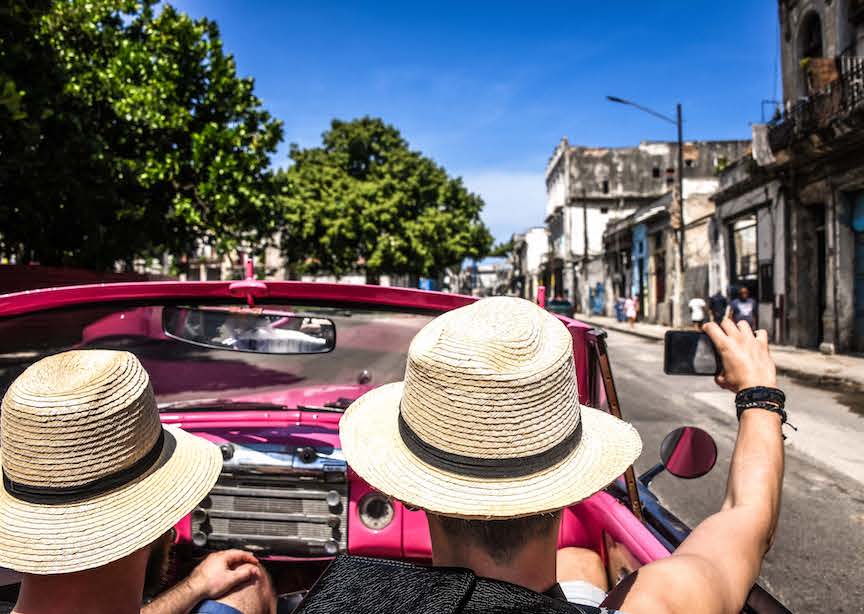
[[679, 205]]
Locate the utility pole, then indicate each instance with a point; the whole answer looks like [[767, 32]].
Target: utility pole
[[584, 226], [677, 213], [585, 288], [679, 298], [680, 204]]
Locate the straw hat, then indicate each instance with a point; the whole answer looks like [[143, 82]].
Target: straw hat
[[487, 423], [89, 474]]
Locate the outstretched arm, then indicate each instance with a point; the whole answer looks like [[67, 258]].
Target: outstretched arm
[[713, 570]]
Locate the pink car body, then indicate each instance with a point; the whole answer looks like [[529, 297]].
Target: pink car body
[[602, 522]]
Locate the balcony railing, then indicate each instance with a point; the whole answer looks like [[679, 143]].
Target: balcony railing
[[836, 99]]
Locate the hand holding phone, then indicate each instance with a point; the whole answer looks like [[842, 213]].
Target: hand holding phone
[[690, 352], [747, 361]]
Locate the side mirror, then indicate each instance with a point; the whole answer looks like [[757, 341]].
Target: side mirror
[[688, 452]]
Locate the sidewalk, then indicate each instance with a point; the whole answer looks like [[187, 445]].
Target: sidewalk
[[808, 365]]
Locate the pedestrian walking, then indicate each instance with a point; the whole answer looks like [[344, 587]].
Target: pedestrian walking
[[744, 308], [619, 309], [718, 306], [697, 311], [631, 309]]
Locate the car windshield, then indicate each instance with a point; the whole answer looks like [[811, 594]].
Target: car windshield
[[371, 347]]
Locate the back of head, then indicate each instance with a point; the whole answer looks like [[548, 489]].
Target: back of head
[[500, 540]]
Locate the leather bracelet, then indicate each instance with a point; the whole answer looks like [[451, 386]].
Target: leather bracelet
[[760, 394], [766, 405]]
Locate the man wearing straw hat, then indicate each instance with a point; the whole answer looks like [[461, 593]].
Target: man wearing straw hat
[[91, 481], [486, 434]]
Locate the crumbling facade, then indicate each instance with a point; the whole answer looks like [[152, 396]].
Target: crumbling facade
[[790, 217], [589, 189], [529, 253]]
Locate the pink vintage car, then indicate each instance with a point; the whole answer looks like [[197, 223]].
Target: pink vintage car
[[265, 370]]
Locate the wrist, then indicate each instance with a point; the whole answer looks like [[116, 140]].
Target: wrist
[[197, 586], [764, 416]]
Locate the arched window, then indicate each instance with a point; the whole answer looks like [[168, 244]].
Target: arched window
[[810, 47], [810, 38]]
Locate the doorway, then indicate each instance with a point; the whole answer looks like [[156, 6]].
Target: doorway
[[811, 278], [858, 230], [819, 215]]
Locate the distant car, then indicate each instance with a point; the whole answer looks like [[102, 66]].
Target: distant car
[[561, 307]]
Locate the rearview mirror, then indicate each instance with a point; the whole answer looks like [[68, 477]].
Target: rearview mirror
[[688, 452], [243, 329]]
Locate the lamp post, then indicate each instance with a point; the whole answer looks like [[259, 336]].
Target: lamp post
[[678, 205]]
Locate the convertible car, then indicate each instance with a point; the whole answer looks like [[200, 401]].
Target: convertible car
[[265, 370]]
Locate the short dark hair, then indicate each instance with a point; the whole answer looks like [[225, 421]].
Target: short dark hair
[[500, 539]]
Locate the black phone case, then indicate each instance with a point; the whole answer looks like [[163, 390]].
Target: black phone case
[[667, 346]]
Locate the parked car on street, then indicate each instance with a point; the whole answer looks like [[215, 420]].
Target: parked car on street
[[560, 306]]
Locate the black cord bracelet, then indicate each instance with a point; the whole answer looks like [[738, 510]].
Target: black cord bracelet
[[761, 393], [766, 405]]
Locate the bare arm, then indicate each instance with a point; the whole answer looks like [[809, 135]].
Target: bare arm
[[219, 573], [713, 570]]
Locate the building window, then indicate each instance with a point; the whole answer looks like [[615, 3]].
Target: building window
[[604, 210], [810, 38], [743, 253], [856, 11], [655, 172], [605, 186]]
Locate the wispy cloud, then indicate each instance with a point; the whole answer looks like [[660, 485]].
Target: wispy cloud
[[515, 200]]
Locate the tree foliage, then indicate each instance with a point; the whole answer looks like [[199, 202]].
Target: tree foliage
[[502, 250], [123, 132], [364, 200]]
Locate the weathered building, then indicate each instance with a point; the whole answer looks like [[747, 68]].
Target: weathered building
[[641, 250], [530, 250], [790, 218], [590, 187]]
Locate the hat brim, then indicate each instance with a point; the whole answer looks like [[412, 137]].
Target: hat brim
[[51, 539], [373, 447]]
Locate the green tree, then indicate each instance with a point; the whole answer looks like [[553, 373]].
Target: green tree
[[133, 135], [502, 250], [365, 201]]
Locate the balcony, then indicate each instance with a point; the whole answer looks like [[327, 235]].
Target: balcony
[[836, 99]]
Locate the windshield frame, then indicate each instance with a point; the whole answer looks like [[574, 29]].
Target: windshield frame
[[220, 292]]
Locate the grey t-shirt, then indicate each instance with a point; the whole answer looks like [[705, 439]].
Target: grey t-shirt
[[744, 309]]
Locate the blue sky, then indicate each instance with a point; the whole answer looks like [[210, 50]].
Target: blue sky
[[488, 88]]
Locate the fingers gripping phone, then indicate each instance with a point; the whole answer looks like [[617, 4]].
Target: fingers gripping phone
[[690, 352]]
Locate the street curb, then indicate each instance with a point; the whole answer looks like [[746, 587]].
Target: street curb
[[846, 385], [618, 329], [817, 379]]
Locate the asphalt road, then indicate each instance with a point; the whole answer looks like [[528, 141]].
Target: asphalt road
[[817, 561]]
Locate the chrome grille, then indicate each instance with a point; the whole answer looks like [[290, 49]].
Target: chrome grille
[[276, 507]]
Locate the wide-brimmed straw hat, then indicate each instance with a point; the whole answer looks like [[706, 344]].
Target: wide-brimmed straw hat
[[487, 423], [89, 474]]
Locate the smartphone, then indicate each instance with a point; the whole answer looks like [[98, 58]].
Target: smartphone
[[690, 352]]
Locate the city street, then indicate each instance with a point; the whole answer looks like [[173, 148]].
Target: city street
[[818, 553]]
